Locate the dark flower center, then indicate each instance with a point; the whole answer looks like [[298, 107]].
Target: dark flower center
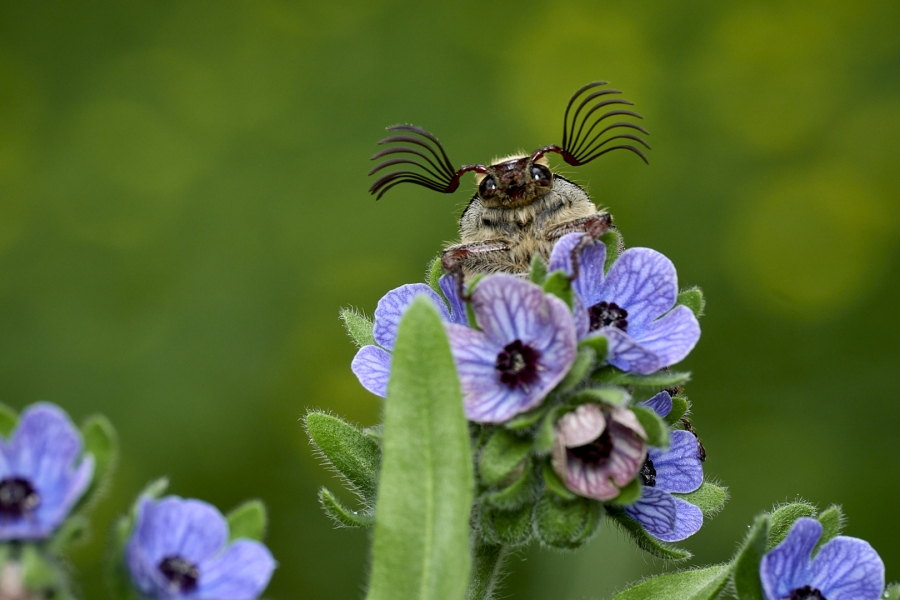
[[648, 473], [181, 573], [807, 592], [605, 314], [17, 497], [595, 453], [517, 364]]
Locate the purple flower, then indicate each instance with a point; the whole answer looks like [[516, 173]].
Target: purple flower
[[526, 345], [372, 364], [179, 549], [598, 450], [41, 476], [676, 469], [845, 568], [632, 305]]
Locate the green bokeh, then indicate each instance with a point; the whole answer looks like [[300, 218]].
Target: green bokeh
[[183, 210]]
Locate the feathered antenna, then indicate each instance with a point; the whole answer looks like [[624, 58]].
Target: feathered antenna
[[439, 176], [578, 147]]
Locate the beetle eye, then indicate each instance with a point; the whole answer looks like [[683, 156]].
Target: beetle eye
[[487, 187], [539, 173], [536, 173]]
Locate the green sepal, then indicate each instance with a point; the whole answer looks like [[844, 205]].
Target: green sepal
[[546, 433], [508, 527], [8, 420], [515, 494], [584, 360], [693, 299], [892, 592], [101, 442], [73, 530], [375, 433], [554, 484], [359, 327], [248, 520], [660, 379], [695, 584], [341, 515], [644, 540], [42, 575], [745, 566], [470, 312], [355, 456], [528, 419], [656, 429], [832, 520], [566, 523], [612, 395], [501, 455], [559, 285], [782, 519], [538, 272], [629, 494], [435, 271], [680, 407], [709, 498], [599, 344], [612, 239]]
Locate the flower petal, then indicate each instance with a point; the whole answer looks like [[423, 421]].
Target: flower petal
[[457, 306], [661, 404], [627, 354], [629, 452], [581, 426], [688, 521], [242, 572], [670, 338], [392, 305], [848, 569], [591, 261], [656, 511], [191, 529], [508, 308], [372, 366], [678, 469], [643, 282], [787, 566], [587, 480]]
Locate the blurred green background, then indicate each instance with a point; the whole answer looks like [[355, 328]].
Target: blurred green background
[[183, 210]]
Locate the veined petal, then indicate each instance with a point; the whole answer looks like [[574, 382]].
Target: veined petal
[[678, 469], [848, 569], [581, 426], [587, 480], [486, 399], [372, 366], [508, 308], [627, 354], [44, 446], [656, 511], [688, 521], [672, 337], [172, 526], [643, 282], [591, 261], [787, 566], [56, 502], [392, 305], [661, 404], [457, 306], [242, 572], [629, 452]]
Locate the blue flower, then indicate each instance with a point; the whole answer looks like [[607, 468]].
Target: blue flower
[[631, 305], [41, 477], [525, 346], [372, 364], [676, 469], [179, 549], [845, 568]]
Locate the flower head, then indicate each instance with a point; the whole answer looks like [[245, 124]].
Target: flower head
[[845, 568], [632, 305], [372, 364], [179, 550], [41, 476], [526, 345], [598, 450], [675, 469]]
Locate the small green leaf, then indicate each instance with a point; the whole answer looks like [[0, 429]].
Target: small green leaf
[[101, 442], [693, 299], [892, 593], [680, 407], [248, 521], [8, 420], [613, 395], [644, 540], [782, 519], [566, 524], [746, 563], [507, 527], [657, 430], [599, 344], [538, 273], [709, 498], [516, 493], [117, 576], [353, 454], [503, 452], [73, 531], [528, 419], [559, 285], [612, 239], [435, 271], [554, 484], [832, 520], [546, 433], [629, 494], [660, 379], [584, 359], [696, 584], [358, 327], [342, 515]]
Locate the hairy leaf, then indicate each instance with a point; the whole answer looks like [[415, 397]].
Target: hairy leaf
[[342, 515], [358, 327], [709, 498], [746, 563], [696, 584], [248, 520], [352, 453], [503, 452], [656, 429], [782, 519]]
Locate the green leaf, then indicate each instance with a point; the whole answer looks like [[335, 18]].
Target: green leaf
[[832, 520], [657, 430], [782, 519], [248, 520], [353, 454], [660, 379], [613, 395], [599, 344], [680, 407], [101, 442], [583, 362], [709, 498], [435, 271], [503, 452], [629, 494], [746, 563], [538, 272], [73, 531], [546, 433], [693, 299], [892, 593], [558, 284], [507, 527], [612, 239], [527, 419], [421, 542], [487, 565], [358, 327], [566, 523], [695, 584], [644, 540], [554, 484], [516, 493], [8, 420], [342, 515]]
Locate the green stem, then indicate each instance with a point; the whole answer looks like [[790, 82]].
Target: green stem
[[487, 564]]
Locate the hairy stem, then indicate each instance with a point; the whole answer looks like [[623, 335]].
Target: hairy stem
[[487, 566]]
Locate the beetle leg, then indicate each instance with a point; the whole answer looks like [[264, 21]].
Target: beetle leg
[[594, 226], [455, 258]]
